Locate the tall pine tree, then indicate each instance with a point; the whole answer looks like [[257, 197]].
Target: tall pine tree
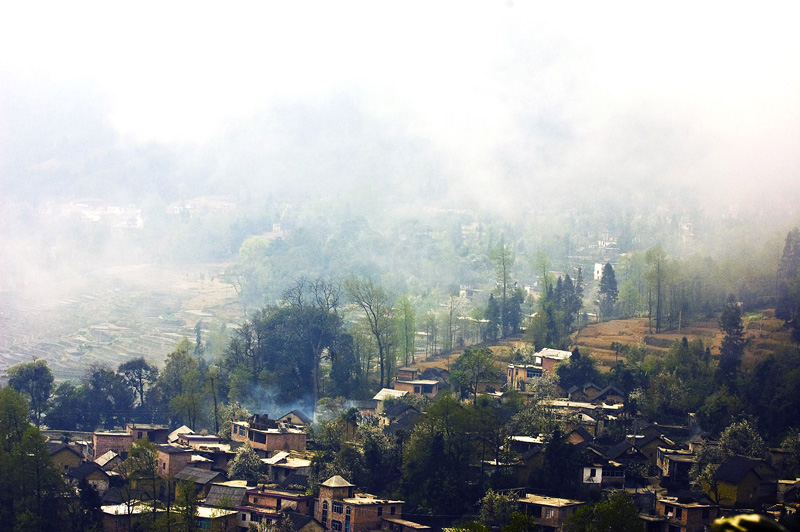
[[608, 292]]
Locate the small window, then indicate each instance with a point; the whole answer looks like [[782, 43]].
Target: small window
[[705, 513], [337, 507], [336, 525], [391, 510], [592, 473], [348, 510], [679, 514], [549, 513], [380, 510]]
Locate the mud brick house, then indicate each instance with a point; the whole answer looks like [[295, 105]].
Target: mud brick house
[[419, 387], [544, 362], [744, 483], [267, 505], [172, 459], [120, 442], [549, 513], [685, 515], [64, 455], [267, 435]]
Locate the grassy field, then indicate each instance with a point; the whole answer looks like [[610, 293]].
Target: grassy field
[[763, 331]]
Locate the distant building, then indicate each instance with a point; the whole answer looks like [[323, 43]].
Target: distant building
[[267, 435], [544, 361]]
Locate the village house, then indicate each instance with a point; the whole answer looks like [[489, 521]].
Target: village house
[[549, 513], [201, 478], [91, 473], [216, 518], [295, 418], [120, 442], [675, 465], [267, 435], [543, 362], [681, 514], [340, 508], [387, 393], [127, 516], [743, 482], [109, 461], [419, 387], [283, 464], [171, 459], [64, 455], [267, 506]]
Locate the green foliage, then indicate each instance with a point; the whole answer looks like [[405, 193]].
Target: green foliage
[[558, 309], [579, 370], [33, 494], [474, 366], [186, 504], [497, 508], [791, 466], [437, 458], [139, 375], [560, 473], [109, 399], [35, 381], [377, 305], [732, 349], [616, 513], [608, 292], [246, 465]]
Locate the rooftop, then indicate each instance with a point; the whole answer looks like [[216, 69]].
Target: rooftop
[[532, 498]]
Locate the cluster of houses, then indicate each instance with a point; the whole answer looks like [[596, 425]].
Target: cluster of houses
[[653, 463]]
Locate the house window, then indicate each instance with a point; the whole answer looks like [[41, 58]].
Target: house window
[[537, 512], [380, 510], [347, 521], [324, 512], [416, 389], [549, 513], [679, 514], [533, 373], [391, 510], [705, 513], [592, 473], [669, 511], [337, 507], [336, 525], [139, 435]]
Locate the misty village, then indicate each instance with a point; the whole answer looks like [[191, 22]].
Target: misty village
[[357, 266]]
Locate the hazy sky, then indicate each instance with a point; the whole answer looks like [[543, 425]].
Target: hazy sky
[[578, 92]]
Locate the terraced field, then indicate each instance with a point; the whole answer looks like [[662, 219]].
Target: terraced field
[[111, 315]]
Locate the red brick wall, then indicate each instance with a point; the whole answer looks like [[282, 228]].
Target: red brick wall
[[111, 442]]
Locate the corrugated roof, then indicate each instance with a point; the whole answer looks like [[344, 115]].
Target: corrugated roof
[[197, 475], [225, 496]]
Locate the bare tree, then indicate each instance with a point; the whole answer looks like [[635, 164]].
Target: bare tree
[[377, 307]]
